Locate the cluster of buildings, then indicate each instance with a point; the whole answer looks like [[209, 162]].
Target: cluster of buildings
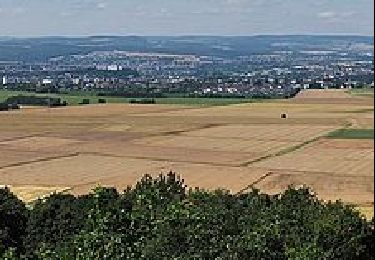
[[134, 72]]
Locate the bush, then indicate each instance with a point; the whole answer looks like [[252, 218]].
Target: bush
[[85, 101], [4, 107]]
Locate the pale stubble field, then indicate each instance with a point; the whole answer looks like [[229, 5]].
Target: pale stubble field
[[74, 149]]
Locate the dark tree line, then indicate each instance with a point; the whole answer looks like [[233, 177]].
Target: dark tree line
[[161, 219], [35, 101]]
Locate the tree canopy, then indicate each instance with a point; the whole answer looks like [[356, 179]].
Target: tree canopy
[[160, 218]]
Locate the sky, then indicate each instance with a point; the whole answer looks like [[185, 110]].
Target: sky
[[185, 17]]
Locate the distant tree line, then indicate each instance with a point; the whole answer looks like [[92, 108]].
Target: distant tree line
[[35, 101], [161, 219], [131, 94], [142, 101], [145, 93]]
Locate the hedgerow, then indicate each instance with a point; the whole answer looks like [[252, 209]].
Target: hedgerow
[[160, 218]]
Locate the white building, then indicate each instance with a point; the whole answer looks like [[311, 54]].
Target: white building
[[112, 67], [47, 81], [75, 81]]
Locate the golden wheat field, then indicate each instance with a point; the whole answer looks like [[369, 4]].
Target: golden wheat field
[[74, 149]]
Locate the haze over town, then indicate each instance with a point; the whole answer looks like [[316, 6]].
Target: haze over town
[[193, 17]]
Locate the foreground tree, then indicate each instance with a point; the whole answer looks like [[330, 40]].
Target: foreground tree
[[13, 218], [161, 219]]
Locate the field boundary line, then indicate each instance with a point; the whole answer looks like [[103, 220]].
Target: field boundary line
[[180, 132], [45, 159], [282, 152], [293, 172], [11, 139], [158, 159], [260, 179]]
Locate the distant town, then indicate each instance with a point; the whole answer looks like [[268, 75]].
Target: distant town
[[278, 71]]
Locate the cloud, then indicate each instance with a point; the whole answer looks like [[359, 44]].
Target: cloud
[[327, 15], [163, 10], [66, 13], [101, 5], [235, 2], [336, 16]]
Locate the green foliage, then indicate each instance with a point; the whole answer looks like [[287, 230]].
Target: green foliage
[[160, 218], [75, 98], [365, 92], [58, 216], [13, 217], [352, 134]]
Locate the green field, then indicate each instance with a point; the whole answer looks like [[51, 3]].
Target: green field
[[366, 92], [78, 97], [352, 134]]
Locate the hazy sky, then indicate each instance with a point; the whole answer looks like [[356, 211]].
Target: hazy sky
[[185, 17]]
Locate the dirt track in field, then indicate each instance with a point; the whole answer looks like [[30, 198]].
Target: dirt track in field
[[114, 145]]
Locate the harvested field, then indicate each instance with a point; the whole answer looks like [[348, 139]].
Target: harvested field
[[270, 132], [174, 154], [323, 94], [31, 193], [230, 147], [351, 189], [363, 121], [331, 96], [340, 169], [83, 172], [13, 157], [36, 143], [330, 158], [367, 211], [218, 144]]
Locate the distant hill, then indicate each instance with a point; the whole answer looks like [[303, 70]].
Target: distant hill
[[33, 49]]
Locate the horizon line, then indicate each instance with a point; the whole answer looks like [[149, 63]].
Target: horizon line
[[185, 35]]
